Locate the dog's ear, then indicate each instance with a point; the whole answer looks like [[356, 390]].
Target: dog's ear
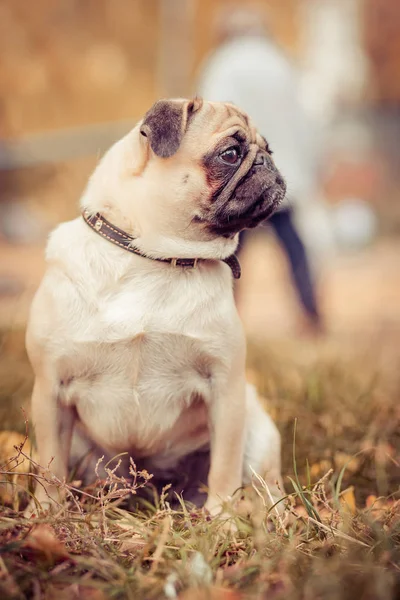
[[165, 124]]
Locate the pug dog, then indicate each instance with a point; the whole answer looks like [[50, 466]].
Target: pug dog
[[133, 334]]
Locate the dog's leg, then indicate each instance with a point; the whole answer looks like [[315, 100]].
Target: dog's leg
[[53, 425], [227, 429], [262, 454]]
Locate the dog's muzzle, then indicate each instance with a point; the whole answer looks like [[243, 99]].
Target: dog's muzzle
[[255, 198]]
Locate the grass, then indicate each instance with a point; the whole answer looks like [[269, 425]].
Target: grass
[[336, 405]]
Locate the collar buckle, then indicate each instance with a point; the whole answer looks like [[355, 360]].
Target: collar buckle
[[188, 263]]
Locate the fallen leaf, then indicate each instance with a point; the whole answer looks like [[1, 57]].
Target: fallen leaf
[[319, 469], [350, 463], [11, 461], [348, 500], [378, 506], [370, 501], [8, 441], [43, 540]]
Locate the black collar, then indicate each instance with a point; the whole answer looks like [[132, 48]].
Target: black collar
[[119, 237]]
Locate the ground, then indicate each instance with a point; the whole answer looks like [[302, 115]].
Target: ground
[[336, 402]]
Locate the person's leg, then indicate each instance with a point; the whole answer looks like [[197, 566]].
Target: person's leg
[[285, 230]]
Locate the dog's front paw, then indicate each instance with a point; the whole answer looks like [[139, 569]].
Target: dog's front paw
[[213, 506], [224, 511]]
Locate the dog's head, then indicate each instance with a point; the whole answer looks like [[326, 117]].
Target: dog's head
[[190, 173]]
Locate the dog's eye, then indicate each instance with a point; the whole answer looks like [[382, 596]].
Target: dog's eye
[[231, 156]]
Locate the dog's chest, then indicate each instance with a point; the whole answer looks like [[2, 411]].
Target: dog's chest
[[195, 313], [146, 358]]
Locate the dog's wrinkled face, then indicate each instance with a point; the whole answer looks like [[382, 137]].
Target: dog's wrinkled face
[[192, 170], [246, 187], [243, 182]]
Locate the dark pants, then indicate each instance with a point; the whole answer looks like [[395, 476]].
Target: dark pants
[[285, 230]]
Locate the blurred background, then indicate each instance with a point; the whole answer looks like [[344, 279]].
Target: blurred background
[[75, 75]]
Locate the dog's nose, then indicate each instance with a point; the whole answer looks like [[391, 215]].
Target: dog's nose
[[263, 159]]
